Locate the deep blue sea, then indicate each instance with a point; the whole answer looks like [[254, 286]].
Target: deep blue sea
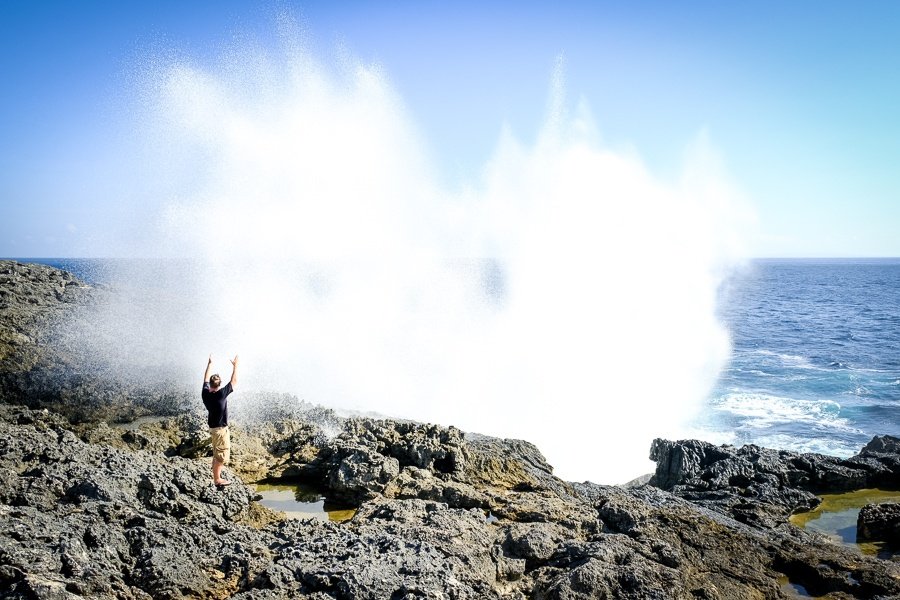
[[815, 365], [816, 357]]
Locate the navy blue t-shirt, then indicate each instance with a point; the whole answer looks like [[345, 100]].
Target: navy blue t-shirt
[[217, 404]]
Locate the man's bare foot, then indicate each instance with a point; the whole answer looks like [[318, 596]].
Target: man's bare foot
[[222, 483]]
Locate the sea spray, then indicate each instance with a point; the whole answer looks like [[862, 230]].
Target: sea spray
[[567, 297]]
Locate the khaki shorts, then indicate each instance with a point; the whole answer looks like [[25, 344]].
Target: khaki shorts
[[221, 443]]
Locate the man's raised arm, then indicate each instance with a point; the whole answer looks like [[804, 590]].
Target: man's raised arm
[[208, 369], [234, 366]]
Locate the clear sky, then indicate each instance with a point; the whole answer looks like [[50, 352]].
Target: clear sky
[[801, 99]]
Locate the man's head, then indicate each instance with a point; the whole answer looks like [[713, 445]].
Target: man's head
[[215, 381]]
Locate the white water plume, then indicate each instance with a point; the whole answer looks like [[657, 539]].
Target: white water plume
[[567, 297]]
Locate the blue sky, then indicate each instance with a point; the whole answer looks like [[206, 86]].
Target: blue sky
[[800, 99]]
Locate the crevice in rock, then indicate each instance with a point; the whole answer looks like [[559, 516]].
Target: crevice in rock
[[822, 578]]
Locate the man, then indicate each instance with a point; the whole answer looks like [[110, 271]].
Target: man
[[215, 398]]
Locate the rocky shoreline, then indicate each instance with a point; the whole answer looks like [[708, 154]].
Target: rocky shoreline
[[90, 509]]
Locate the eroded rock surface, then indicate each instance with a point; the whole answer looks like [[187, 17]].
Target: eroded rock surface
[[880, 522], [109, 519], [91, 508], [49, 335], [764, 486], [32, 299]]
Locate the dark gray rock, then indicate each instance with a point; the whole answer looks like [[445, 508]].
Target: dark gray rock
[[108, 522], [879, 522], [764, 486], [419, 445], [366, 460], [359, 473], [96, 521], [881, 459], [882, 445], [89, 509], [535, 543], [703, 466], [48, 332]]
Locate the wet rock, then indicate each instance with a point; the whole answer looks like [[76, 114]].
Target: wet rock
[[367, 459], [823, 568], [32, 298], [45, 362], [879, 522], [703, 466], [882, 445], [760, 485]]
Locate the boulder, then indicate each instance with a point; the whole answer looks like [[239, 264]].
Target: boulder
[[879, 522]]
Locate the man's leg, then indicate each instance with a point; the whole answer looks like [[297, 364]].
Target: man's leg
[[217, 465], [221, 444]]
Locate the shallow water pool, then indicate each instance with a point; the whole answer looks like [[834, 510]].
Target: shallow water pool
[[836, 517], [301, 501]]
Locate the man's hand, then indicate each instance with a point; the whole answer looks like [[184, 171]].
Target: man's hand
[[234, 365], [208, 369], [234, 360]]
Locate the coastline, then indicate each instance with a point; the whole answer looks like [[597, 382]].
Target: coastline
[[89, 509]]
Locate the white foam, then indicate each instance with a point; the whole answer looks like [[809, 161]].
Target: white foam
[[819, 445], [791, 360], [762, 410], [859, 390], [761, 373], [711, 435]]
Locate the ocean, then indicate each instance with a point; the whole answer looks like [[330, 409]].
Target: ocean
[[816, 356], [815, 365]]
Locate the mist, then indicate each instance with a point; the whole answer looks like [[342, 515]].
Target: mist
[[566, 296]]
